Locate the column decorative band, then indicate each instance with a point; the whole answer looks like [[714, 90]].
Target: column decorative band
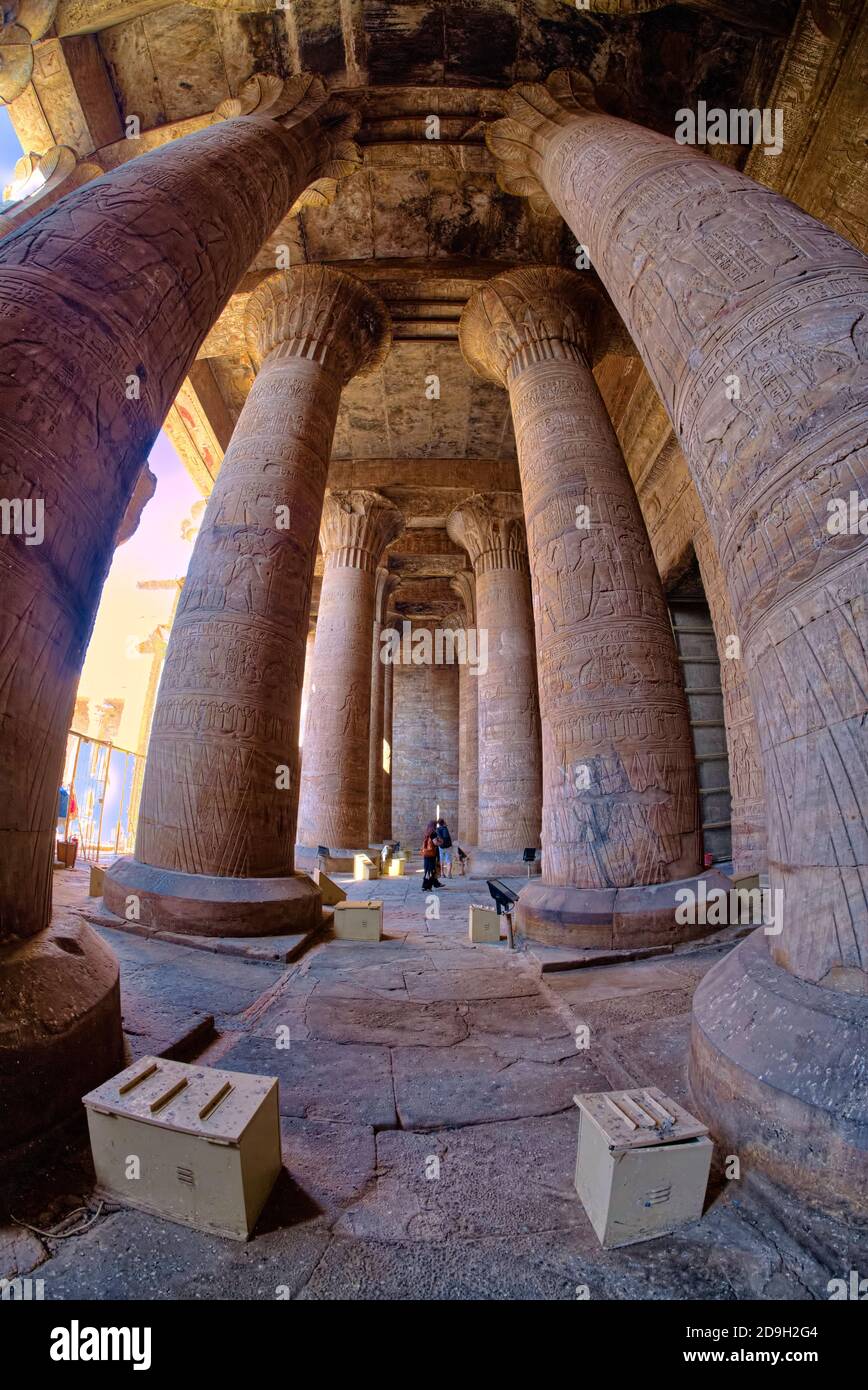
[[544, 350]]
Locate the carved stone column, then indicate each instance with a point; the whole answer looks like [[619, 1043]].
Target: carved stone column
[[748, 812], [749, 316], [214, 850], [468, 716], [491, 529], [620, 809], [105, 300], [305, 684], [387, 762], [356, 528], [379, 831]]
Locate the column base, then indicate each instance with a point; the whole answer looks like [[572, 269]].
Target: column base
[[501, 863], [611, 918], [204, 905], [61, 1036], [777, 1069], [338, 861]]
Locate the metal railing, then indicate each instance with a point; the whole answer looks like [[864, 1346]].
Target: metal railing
[[104, 784]]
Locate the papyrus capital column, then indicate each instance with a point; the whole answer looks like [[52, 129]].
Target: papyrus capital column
[[215, 845], [490, 527], [122, 278], [379, 764], [357, 526], [463, 585], [619, 788], [724, 284]]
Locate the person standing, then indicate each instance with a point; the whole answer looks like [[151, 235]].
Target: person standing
[[430, 846], [445, 840]]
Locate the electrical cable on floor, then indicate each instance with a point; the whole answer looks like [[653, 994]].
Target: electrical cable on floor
[[64, 1235]]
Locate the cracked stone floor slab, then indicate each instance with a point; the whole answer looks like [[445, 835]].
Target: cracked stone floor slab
[[427, 1126]]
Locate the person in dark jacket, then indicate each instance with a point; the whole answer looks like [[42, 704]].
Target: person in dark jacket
[[445, 847], [430, 847]]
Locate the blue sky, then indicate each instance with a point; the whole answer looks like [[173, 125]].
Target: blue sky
[[10, 148]]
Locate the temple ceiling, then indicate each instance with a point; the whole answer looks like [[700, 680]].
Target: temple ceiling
[[423, 219], [169, 62]]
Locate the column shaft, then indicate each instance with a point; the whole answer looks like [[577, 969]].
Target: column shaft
[[216, 837], [226, 721], [620, 802], [375, 751], [468, 755], [387, 761], [378, 823], [334, 792], [728, 288], [112, 291], [509, 754]]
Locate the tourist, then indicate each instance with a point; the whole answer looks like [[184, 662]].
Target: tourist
[[445, 840], [430, 846]]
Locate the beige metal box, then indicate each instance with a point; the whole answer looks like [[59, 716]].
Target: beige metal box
[[642, 1165], [331, 892], [364, 867], [358, 921], [396, 867], [97, 879], [190, 1143], [484, 923]]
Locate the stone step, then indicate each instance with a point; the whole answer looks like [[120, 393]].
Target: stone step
[[287, 948]]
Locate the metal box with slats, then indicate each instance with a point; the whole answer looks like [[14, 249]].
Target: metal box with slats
[[642, 1165], [189, 1143], [358, 921]]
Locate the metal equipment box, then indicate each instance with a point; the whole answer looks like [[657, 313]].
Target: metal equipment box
[[642, 1165], [331, 892], [364, 867], [189, 1143], [484, 923], [358, 921]]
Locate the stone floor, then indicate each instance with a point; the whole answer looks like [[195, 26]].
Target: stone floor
[[429, 1131]]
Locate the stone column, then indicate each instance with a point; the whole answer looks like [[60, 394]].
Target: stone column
[[356, 528], [749, 316], [620, 807], [105, 299], [377, 830], [491, 529], [747, 811], [214, 850], [468, 716], [387, 762], [305, 684]]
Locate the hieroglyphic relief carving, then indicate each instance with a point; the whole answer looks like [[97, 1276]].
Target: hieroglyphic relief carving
[[234, 667], [123, 277], [718, 279], [619, 790], [379, 830], [491, 529], [356, 528], [463, 585]]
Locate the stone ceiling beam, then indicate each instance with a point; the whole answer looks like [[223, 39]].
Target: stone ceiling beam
[[69, 100]]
